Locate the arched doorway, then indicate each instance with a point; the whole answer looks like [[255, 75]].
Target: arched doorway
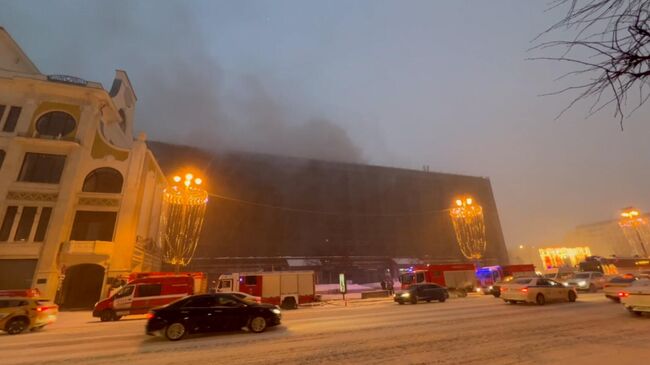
[[82, 286]]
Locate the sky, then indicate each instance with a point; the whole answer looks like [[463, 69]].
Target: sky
[[396, 83]]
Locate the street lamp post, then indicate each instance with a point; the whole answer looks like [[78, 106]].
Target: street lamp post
[[181, 219], [631, 218]]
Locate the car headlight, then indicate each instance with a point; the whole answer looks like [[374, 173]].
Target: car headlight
[[275, 310], [490, 287], [406, 295], [582, 283]]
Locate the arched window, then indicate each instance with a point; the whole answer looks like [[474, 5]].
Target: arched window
[[55, 124], [103, 180]]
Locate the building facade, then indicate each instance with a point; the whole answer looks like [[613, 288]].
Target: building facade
[[277, 213], [79, 196]]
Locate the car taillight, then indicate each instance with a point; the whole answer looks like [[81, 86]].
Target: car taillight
[[524, 290], [150, 315], [623, 294], [504, 289]]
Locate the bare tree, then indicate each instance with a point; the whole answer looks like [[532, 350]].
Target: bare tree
[[611, 46]]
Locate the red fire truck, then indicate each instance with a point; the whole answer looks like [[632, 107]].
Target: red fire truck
[[460, 277], [148, 290], [489, 277], [284, 288]]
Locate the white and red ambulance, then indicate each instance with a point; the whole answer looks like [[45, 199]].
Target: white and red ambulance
[[148, 290], [285, 288]]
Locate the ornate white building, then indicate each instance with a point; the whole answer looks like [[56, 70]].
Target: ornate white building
[[79, 196]]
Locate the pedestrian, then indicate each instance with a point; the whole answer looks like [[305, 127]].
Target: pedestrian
[[390, 287], [383, 285]]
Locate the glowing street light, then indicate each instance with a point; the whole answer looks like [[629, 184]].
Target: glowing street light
[[181, 219], [631, 221], [469, 226]]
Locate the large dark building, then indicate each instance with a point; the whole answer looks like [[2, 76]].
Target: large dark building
[[271, 212]]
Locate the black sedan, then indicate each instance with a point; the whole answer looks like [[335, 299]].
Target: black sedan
[[209, 313], [417, 292]]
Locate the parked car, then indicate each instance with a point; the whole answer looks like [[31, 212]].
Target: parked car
[[537, 290], [588, 280], [19, 314], [417, 292], [616, 284], [209, 313], [636, 297]]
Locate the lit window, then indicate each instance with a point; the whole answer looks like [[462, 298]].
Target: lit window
[[55, 124], [103, 180]]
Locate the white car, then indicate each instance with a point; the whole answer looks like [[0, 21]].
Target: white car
[[588, 280], [617, 285], [537, 290], [636, 297]]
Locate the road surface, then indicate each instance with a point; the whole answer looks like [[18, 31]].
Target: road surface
[[472, 330]]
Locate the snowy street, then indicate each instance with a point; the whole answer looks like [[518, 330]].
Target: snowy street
[[472, 330]]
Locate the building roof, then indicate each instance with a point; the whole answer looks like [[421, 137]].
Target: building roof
[[12, 57]]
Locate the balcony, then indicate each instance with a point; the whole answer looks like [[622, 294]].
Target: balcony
[[103, 248]]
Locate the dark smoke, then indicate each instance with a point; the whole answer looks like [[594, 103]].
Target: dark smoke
[[179, 84]]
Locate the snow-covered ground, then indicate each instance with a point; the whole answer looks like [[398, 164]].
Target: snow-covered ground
[[472, 330]]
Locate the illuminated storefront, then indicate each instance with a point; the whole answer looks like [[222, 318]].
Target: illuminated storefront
[[555, 257]]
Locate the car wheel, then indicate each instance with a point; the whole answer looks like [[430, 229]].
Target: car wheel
[[289, 303], [442, 300], [175, 331], [16, 326], [107, 315], [257, 324], [592, 288], [428, 300], [572, 296], [401, 302], [540, 299], [414, 299], [496, 294]]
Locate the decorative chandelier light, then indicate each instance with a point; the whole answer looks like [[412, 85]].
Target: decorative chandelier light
[[635, 227], [181, 219], [469, 226]]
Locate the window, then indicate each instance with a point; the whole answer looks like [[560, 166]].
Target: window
[[55, 124], [148, 290], [250, 280], [12, 119], [2, 157], [201, 302], [25, 224], [41, 167], [420, 277], [12, 303], [125, 292], [227, 301], [521, 281], [8, 222], [93, 226], [2, 111], [103, 180], [225, 284], [43, 222]]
